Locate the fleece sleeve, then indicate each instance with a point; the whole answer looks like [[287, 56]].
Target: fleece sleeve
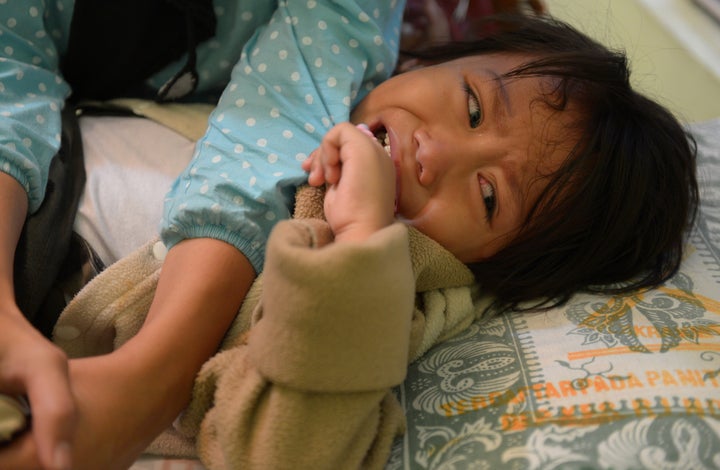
[[32, 95], [311, 387]]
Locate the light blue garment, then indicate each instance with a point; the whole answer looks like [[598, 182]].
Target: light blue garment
[[31, 93], [33, 38], [298, 76]]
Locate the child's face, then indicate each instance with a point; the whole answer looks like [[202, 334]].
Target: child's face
[[470, 149]]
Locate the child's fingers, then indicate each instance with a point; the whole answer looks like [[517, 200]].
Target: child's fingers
[[312, 167], [330, 162], [306, 164], [323, 165]]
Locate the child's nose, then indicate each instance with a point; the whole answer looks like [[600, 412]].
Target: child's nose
[[435, 156]]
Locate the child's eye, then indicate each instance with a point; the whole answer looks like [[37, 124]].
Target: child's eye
[[489, 199], [474, 111]]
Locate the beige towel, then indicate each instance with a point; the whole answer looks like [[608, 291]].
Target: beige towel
[[187, 119], [113, 306]]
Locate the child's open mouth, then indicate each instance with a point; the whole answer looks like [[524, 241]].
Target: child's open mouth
[[382, 137]]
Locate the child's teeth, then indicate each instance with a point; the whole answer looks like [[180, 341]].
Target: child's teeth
[[384, 140]]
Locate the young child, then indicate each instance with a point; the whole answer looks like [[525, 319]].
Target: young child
[[527, 158], [477, 166]]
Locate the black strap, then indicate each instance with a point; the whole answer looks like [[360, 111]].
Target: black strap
[[115, 45]]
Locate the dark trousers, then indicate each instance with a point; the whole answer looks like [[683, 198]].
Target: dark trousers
[[47, 245]]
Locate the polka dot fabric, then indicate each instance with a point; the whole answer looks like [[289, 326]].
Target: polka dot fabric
[[31, 94], [33, 38], [296, 77]]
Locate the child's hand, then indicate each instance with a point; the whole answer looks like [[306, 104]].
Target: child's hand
[[360, 175]]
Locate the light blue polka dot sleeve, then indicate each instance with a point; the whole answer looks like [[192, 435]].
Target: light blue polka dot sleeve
[[296, 78], [31, 93]]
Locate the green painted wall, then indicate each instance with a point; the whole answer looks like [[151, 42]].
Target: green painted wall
[[662, 66]]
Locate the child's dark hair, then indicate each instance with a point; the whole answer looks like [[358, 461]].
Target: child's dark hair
[[613, 218]]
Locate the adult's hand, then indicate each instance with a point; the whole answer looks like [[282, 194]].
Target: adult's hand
[[32, 366]]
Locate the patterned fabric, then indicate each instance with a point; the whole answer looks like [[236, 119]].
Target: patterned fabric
[[625, 382]]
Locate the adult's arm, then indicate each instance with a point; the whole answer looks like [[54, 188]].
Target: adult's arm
[[32, 95], [31, 98], [29, 364], [124, 399], [297, 77]]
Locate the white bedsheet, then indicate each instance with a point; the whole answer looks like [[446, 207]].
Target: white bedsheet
[[131, 163]]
